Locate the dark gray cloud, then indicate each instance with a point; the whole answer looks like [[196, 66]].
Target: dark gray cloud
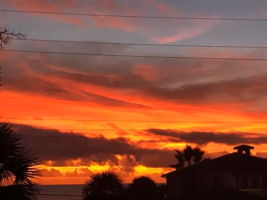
[[107, 101], [202, 138], [194, 82], [238, 90], [39, 86], [50, 144], [42, 87], [186, 81]]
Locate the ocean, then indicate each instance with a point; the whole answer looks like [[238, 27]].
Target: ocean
[[60, 192]]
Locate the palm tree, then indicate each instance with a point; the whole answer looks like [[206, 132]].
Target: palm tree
[[198, 155], [104, 186], [142, 188], [16, 167], [187, 157], [180, 158], [188, 154]]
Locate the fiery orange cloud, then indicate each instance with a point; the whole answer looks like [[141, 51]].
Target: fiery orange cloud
[[76, 110], [81, 174], [122, 112]]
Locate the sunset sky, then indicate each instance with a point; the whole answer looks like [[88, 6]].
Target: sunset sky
[[83, 114]]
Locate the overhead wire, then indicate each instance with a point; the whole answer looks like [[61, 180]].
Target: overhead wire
[[143, 44], [133, 16], [134, 56], [122, 120]]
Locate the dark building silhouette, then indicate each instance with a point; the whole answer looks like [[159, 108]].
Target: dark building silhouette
[[236, 172]]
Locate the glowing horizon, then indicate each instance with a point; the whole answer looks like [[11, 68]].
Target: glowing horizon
[[127, 115]]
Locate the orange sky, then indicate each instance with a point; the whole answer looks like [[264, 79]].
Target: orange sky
[[64, 115], [87, 114]]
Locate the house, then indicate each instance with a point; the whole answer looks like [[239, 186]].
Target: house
[[238, 172]]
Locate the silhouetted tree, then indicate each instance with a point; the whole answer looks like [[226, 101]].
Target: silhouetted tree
[[187, 157], [104, 186], [180, 160], [142, 188], [6, 35], [16, 167]]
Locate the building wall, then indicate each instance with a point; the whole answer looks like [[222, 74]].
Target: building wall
[[208, 181]]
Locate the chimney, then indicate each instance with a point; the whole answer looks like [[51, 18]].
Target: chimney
[[244, 149]]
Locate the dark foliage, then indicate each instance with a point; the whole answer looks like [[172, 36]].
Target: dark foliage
[[6, 35], [104, 186], [16, 167], [18, 192], [188, 157], [142, 188]]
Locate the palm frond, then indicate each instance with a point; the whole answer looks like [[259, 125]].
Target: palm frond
[[16, 166]]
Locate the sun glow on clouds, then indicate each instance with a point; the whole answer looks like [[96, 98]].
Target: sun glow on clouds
[[40, 109], [49, 170], [140, 169], [84, 172], [46, 114], [61, 114], [116, 100]]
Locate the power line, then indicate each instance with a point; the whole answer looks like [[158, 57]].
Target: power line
[[79, 136], [92, 129], [135, 56], [96, 129], [144, 44], [86, 129], [85, 138], [122, 120], [135, 16], [65, 136]]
